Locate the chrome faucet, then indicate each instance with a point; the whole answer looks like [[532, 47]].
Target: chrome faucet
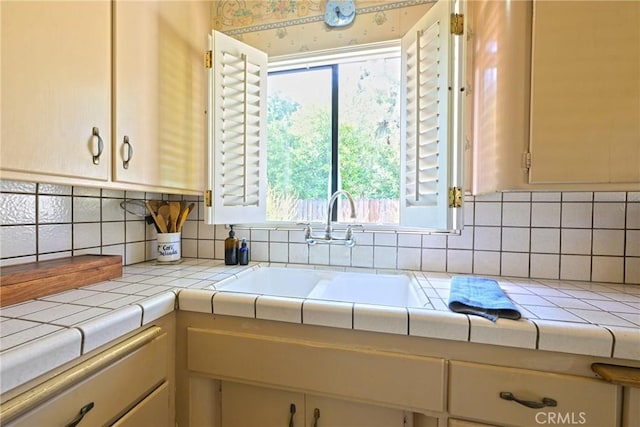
[[328, 236], [332, 200]]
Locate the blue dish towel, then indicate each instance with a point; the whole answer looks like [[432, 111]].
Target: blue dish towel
[[484, 297]]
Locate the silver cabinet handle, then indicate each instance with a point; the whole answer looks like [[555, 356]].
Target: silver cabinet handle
[[129, 153], [83, 411], [546, 401], [96, 157]]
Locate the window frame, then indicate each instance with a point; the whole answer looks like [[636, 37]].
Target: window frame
[[390, 50], [450, 92]]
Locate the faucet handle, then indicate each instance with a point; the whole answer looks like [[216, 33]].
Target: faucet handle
[[307, 232], [348, 235]]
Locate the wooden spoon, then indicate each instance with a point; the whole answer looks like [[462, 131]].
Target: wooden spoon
[[155, 204], [159, 223], [162, 223], [165, 212], [174, 214], [183, 216]]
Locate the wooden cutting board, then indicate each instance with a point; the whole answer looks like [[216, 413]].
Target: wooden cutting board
[[23, 282]]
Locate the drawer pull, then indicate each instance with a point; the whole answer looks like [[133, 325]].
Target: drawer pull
[[83, 411], [316, 417], [546, 401], [292, 411]]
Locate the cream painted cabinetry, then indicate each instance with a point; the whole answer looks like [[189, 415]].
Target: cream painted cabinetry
[[245, 405], [56, 93], [631, 407], [125, 385], [462, 423], [347, 384], [334, 370], [555, 91], [522, 397], [160, 93], [105, 93]]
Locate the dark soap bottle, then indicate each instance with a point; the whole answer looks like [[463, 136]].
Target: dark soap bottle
[[243, 252], [231, 248]]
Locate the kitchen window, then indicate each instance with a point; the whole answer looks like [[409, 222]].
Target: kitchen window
[[323, 140], [275, 159]]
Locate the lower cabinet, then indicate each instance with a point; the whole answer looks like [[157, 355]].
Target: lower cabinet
[[268, 380], [385, 378], [125, 385], [245, 405], [462, 423], [631, 407], [521, 397]]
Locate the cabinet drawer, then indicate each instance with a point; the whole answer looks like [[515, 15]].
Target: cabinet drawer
[[153, 411], [381, 377], [113, 389], [474, 392]]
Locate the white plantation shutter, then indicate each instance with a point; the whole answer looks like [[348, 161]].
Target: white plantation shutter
[[237, 169], [428, 147]]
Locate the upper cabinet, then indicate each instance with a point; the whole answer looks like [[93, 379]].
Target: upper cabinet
[[56, 98], [556, 96], [109, 94], [585, 92], [160, 93]]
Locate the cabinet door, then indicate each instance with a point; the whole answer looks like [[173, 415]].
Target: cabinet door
[[160, 93], [324, 411], [56, 88], [631, 407], [585, 98], [244, 405]]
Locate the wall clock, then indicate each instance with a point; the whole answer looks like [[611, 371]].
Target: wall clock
[[339, 13]]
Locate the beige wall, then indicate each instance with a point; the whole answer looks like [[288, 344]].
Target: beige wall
[[288, 26]]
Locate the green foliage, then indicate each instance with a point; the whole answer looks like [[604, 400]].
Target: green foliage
[[299, 145]]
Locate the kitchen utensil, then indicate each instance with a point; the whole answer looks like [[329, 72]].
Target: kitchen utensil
[[155, 204], [162, 226], [162, 223], [174, 214], [183, 216], [166, 213]]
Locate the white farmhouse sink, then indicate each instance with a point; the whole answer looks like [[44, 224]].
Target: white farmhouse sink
[[281, 282], [369, 288]]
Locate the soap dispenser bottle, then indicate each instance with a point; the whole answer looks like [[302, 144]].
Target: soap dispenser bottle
[[231, 248], [243, 252]]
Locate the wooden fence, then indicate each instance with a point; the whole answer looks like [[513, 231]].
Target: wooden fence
[[367, 210]]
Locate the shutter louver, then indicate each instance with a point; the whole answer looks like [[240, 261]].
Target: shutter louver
[[238, 132], [240, 142], [423, 134], [429, 145]]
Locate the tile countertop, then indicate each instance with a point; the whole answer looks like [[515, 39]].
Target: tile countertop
[[596, 319]]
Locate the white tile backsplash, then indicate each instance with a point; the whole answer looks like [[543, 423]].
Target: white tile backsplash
[[575, 241], [17, 209], [608, 215], [569, 236], [577, 215]]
